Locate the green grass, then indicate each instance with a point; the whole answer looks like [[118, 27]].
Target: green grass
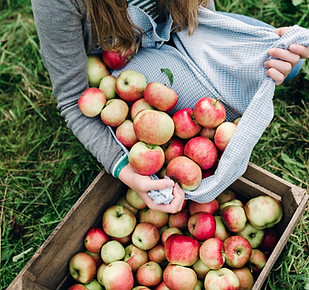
[[44, 169]]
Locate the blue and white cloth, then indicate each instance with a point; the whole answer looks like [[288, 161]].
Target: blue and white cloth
[[223, 59]]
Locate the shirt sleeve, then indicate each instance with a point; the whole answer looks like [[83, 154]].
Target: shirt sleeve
[[61, 29]]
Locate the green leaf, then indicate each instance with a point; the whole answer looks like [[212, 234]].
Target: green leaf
[[169, 74], [297, 2]]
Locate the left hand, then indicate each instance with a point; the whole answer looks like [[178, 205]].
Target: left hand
[[279, 68]]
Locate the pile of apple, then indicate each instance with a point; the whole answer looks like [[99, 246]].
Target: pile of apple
[[184, 146], [222, 244]]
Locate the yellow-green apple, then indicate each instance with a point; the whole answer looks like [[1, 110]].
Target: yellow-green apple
[[224, 134], [179, 219], [186, 126], [94, 239], [252, 234], [179, 277], [145, 236], [146, 159], [161, 286], [118, 222], [221, 279], [200, 269], [114, 60], [96, 257], [237, 251], [78, 287], [91, 102], [141, 288], [257, 260], [263, 211], [221, 231], [114, 112], [210, 207], [153, 127], [209, 112], [107, 86], [169, 231], [112, 251], [149, 274], [123, 201], [96, 70], [225, 196], [118, 275], [138, 106], [234, 218], [99, 274], [269, 241], [160, 96], [184, 171], [156, 217], [130, 85], [201, 150], [125, 133], [173, 148], [181, 250], [157, 254], [199, 285], [208, 133], [245, 278], [202, 225], [234, 201], [212, 253], [94, 285], [236, 121], [135, 256], [134, 199], [82, 267]]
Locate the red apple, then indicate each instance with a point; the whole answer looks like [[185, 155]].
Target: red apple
[[234, 218], [156, 217], [224, 134], [94, 240], [114, 112], [149, 274], [245, 278], [91, 102], [145, 236], [202, 225], [162, 286], [125, 134], [221, 279], [174, 147], [78, 287], [135, 256], [209, 112], [208, 133], [180, 219], [138, 106], [134, 199], [212, 253], [157, 254], [96, 70], [210, 207], [269, 241], [107, 86], [96, 257], [114, 60], [257, 260], [186, 126]]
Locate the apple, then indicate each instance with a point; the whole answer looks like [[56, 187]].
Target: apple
[[153, 127], [123, 241], [114, 60], [169, 231], [91, 102], [225, 196], [174, 147], [96, 70], [134, 199], [135, 256], [118, 222], [224, 134], [202, 225], [146, 159], [236, 121], [138, 106], [208, 132], [99, 275], [82, 267], [221, 231], [149, 274], [263, 211], [181, 250], [114, 112], [179, 219], [185, 171], [123, 201], [157, 254], [160, 96], [210, 207], [186, 126], [145, 236], [237, 251], [209, 172], [257, 260], [200, 269], [94, 285], [162, 286], [221, 279], [252, 234], [179, 277], [94, 239], [234, 201], [269, 241], [199, 285], [245, 278], [125, 133], [130, 85], [78, 287], [141, 288], [107, 86], [96, 257], [212, 253], [112, 251], [118, 275], [234, 218], [156, 217]]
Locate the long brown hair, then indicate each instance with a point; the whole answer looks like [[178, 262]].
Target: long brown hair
[[115, 30]]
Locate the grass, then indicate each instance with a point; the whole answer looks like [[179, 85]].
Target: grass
[[44, 169]]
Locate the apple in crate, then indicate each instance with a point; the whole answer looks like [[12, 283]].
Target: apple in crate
[[257, 260], [263, 211], [200, 269], [153, 127], [114, 112], [210, 207], [107, 86], [157, 254], [209, 112], [78, 287], [118, 222], [94, 240], [94, 285], [212, 253], [221, 279], [123, 201], [156, 217], [186, 126], [245, 278], [112, 251], [160, 96], [185, 171], [269, 241], [114, 60], [180, 219], [221, 231], [82, 267], [234, 218], [208, 133], [234, 201], [224, 134], [135, 256], [130, 85], [168, 232], [146, 159], [138, 106], [91, 102], [96, 70], [202, 225], [225, 196], [252, 234], [174, 148], [145, 236], [134, 199], [125, 133], [149, 274]]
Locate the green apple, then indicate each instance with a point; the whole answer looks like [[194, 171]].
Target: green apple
[[252, 234]]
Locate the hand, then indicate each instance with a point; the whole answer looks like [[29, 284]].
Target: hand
[[278, 69], [141, 184]]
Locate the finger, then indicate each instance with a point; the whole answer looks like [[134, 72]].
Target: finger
[[284, 54], [300, 50], [282, 66], [160, 184], [277, 76], [280, 31]]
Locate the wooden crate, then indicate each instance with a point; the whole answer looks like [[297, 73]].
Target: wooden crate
[[48, 268]]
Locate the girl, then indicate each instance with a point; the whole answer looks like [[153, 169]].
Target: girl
[[69, 30]]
